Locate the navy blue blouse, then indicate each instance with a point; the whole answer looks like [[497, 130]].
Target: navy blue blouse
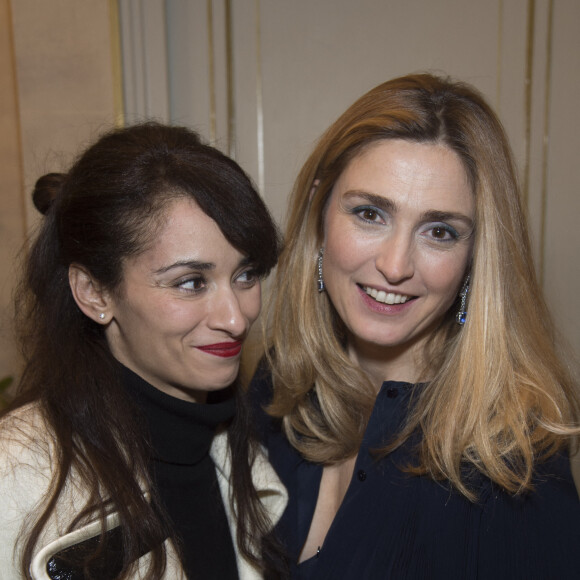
[[394, 526]]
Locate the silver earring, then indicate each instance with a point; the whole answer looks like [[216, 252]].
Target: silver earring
[[320, 281], [461, 316], [102, 316]]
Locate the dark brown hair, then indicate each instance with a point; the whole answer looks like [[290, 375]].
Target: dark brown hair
[[107, 208]]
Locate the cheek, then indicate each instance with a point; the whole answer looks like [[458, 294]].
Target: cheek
[[446, 275], [343, 252], [180, 317], [177, 317], [251, 303]]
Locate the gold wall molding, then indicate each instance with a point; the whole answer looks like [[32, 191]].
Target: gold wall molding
[[18, 134], [117, 64], [13, 222], [259, 100], [211, 73], [531, 13], [546, 140], [498, 62], [231, 103]]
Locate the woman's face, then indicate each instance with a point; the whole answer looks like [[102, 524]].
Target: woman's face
[[397, 241], [185, 306]]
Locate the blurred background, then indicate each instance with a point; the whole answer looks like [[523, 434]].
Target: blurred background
[[261, 79]]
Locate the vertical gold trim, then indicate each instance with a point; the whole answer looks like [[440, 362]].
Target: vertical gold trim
[[546, 139], [499, 56], [230, 81], [211, 73], [19, 143], [259, 100], [528, 96], [117, 64]]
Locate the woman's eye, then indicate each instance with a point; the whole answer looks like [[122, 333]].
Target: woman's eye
[[443, 233], [247, 277], [192, 284], [368, 214]]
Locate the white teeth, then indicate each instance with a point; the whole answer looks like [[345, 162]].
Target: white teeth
[[386, 298]]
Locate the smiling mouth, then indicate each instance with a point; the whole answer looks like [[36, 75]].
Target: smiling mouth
[[386, 297], [223, 349]]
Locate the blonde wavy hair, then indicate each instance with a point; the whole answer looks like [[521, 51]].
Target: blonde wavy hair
[[499, 398]]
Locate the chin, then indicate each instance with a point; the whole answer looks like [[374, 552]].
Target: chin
[[219, 385]]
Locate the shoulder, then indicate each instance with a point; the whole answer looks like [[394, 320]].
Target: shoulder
[[25, 438], [553, 486], [538, 531], [26, 467], [28, 416], [270, 489], [27, 454], [553, 497]]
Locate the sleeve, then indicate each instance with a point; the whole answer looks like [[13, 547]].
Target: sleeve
[[536, 535], [25, 477]]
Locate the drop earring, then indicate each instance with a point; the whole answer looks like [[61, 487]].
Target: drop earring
[[320, 281], [461, 316]]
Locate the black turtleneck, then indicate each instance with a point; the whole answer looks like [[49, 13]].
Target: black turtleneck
[[181, 433]]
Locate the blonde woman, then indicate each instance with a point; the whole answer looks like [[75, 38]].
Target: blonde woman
[[417, 410]]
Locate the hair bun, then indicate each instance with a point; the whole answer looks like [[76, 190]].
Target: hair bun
[[46, 190]]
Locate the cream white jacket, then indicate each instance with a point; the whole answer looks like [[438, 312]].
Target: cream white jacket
[[27, 455]]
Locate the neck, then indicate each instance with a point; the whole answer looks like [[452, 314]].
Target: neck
[[180, 432], [397, 363]]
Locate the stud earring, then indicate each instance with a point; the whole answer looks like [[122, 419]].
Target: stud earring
[[102, 316], [320, 281], [461, 316]]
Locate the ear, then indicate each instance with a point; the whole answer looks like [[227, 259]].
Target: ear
[[90, 297]]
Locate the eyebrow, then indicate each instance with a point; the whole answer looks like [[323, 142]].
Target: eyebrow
[[390, 206], [374, 199], [446, 216], [196, 265], [191, 264]]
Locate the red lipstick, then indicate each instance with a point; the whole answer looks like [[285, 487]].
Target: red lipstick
[[223, 349]]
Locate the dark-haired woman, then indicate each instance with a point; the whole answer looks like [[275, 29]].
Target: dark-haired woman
[[420, 416], [126, 453]]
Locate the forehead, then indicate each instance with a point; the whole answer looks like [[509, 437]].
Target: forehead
[[183, 219], [410, 172], [185, 232]]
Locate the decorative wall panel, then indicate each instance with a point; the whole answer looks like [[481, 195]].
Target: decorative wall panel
[[262, 79]]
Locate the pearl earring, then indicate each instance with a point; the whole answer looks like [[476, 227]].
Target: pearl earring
[[102, 316]]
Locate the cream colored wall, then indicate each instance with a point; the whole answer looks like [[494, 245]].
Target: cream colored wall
[[65, 81], [59, 87], [562, 204], [294, 66]]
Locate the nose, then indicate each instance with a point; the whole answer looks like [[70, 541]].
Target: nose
[[395, 258], [225, 313]]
